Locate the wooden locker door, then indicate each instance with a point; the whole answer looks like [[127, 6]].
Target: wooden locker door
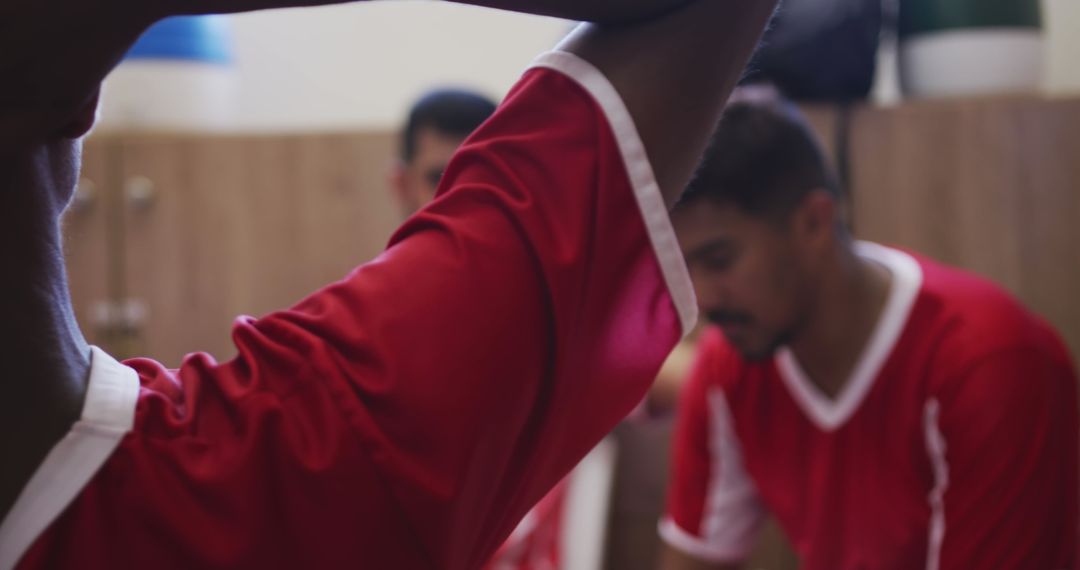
[[989, 185], [176, 243], [90, 246], [316, 207], [222, 226]]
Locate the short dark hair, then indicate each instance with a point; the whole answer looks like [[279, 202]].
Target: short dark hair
[[454, 112], [763, 158]]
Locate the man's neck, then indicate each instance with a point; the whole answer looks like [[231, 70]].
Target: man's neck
[[845, 313], [46, 361]]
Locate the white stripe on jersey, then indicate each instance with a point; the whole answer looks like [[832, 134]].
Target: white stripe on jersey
[[935, 448]]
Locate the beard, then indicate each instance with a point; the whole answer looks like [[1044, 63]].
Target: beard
[[765, 352], [738, 327]]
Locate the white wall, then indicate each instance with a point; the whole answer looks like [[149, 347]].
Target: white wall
[[1063, 51], [360, 65]]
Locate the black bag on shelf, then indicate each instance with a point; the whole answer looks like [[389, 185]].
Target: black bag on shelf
[[820, 50]]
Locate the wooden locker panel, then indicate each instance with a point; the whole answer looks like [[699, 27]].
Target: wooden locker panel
[[240, 225], [989, 185], [89, 234], [178, 239], [334, 211]]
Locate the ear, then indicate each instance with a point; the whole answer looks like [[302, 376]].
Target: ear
[[815, 220], [395, 177], [399, 188]]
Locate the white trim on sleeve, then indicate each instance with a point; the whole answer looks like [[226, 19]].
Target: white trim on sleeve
[[733, 513], [646, 190], [108, 413], [674, 536], [935, 449]]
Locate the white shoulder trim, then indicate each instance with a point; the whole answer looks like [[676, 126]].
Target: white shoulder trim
[[646, 190], [829, 414], [108, 413]]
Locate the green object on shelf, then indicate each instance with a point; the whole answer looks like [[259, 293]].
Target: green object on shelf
[[925, 16]]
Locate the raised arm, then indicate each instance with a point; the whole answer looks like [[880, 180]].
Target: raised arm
[[433, 395], [675, 73], [673, 62]]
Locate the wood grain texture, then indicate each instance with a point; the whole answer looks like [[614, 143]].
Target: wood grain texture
[[246, 225], [86, 231], [987, 185]]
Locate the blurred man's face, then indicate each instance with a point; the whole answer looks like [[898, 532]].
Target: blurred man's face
[[748, 274], [416, 182]]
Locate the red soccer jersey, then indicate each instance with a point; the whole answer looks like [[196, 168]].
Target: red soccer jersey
[[953, 446], [535, 543], [409, 415]]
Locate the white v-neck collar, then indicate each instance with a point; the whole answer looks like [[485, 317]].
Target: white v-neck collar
[[827, 413], [108, 413]]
